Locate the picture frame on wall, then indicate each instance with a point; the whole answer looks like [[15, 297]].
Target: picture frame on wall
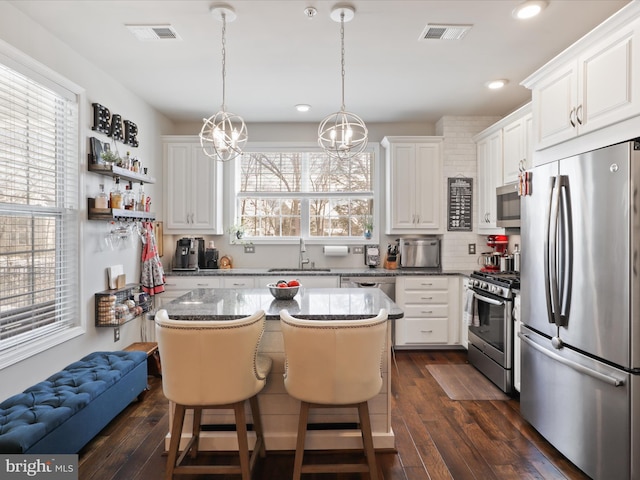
[[97, 147]]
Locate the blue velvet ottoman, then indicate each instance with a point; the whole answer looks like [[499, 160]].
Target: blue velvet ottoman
[[64, 412]]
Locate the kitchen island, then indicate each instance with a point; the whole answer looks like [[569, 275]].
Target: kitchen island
[[279, 410]]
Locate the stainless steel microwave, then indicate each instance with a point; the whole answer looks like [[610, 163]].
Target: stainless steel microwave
[[508, 206]]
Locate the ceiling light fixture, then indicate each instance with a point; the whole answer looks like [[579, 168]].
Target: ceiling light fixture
[[342, 134], [529, 9], [303, 107], [496, 84], [224, 134]]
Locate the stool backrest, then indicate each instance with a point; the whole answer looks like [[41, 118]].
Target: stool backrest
[[333, 362], [209, 362]]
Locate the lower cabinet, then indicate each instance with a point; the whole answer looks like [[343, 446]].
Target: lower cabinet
[[431, 311], [315, 281], [177, 286], [240, 282]]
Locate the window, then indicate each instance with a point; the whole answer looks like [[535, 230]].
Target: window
[[304, 194], [38, 211]]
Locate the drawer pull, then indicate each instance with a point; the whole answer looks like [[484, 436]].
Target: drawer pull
[[426, 298], [426, 331], [427, 284], [430, 311], [202, 284]]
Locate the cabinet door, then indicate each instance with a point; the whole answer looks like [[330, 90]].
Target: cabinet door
[[206, 193], [609, 85], [554, 103], [428, 186], [489, 177], [178, 186], [402, 186], [514, 150]]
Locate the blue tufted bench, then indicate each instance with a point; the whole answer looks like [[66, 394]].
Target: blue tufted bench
[[61, 414]]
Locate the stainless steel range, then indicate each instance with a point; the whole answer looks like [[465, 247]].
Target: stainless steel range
[[491, 332]]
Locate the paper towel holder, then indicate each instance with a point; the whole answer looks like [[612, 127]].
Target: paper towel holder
[[335, 250]]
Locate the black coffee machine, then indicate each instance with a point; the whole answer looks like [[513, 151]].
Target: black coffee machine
[[186, 255], [209, 258]]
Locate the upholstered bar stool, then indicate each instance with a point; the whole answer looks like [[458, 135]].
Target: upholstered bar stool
[[334, 364], [212, 365]]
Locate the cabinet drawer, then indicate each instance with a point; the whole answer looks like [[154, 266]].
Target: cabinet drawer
[[238, 282], [425, 297], [426, 311], [426, 283], [415, 331], [189, 283]]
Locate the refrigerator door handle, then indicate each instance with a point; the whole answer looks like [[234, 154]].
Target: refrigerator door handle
[[576, 366], [566, 252], [551, 252]]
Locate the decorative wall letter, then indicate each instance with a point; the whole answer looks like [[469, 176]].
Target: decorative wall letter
[[116, 127], [101, 116], [130, 132]]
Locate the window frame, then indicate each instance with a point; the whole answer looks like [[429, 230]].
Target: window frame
[[278, 147], [45, 76]]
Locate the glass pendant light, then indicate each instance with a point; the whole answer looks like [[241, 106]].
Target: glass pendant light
[[342, 134], [224, 134]]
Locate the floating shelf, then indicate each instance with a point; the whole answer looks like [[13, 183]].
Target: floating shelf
[[117, 213], [123, 173]]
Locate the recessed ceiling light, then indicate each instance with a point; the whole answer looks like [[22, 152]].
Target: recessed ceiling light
[[303, 107], [496, 84], [529, 9]]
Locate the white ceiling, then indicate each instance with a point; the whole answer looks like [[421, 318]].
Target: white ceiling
[[277, 57]]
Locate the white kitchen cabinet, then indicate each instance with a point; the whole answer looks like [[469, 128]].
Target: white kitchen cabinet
[[414, 184], [193, 188], [517, 148], [431, 313], [489, 158], [315, 281], [592, 85], [176, 286]]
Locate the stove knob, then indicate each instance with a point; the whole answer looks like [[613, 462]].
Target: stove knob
[[495, 289], [484, 285]]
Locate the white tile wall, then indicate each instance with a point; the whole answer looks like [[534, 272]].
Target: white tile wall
[[460, 160]]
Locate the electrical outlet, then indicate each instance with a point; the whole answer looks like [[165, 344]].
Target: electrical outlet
[[116, 334], [358, 250], [472, 249], [249, 249]]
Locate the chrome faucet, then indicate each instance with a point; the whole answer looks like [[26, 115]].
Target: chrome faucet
[[303, 249]]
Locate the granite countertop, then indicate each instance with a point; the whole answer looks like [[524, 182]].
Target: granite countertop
[[311, 303], [343, 272]]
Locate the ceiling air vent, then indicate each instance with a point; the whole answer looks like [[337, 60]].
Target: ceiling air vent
[[149, 33], [444, 32]]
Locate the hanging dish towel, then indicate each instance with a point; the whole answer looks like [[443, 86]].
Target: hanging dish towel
[[470, 311], [152, 275]]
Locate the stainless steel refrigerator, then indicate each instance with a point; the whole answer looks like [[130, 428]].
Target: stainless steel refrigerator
[[580, 300]]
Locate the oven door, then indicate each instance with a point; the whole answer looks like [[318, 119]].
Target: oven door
[[494, 335]]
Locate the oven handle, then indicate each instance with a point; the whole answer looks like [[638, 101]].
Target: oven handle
[[571, 364], [482, 298]]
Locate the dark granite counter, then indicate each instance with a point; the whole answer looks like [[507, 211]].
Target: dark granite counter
[[315, 303], [342, 272]]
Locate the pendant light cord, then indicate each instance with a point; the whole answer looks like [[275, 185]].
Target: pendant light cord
[[224, 59], [342, 55]]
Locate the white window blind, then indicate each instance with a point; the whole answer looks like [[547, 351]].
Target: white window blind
[[39, 251]]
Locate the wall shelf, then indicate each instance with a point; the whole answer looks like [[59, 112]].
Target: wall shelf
[[123, 173], [117, 213], [111, 310]]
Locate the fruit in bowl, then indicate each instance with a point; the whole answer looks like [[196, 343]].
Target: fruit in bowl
[[283, 290]]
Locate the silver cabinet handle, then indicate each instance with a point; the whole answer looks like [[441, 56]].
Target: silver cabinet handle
[[571, 114], [426, 298], [430, 311], [571, 364], [426, 331], [579, 114]]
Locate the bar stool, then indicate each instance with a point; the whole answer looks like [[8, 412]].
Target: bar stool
[[212, 365], [334, 364]]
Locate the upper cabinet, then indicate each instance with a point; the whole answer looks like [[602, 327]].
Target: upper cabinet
[[590, 86], [193, 188], [517, 147], [414, 184], [489, 151]]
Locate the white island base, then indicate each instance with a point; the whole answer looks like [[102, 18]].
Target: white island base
[[280, 412]]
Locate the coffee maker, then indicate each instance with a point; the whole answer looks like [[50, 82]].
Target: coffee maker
[[186, 256]]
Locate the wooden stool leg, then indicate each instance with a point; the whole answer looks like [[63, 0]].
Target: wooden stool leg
[[243, 441], [174, 444], [257, 425], [302, 431], [197, 419], [367, 439]]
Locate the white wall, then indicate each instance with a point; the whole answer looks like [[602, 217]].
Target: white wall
[[23, 34]]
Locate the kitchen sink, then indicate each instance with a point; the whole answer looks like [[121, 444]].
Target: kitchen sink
[[299, 270]]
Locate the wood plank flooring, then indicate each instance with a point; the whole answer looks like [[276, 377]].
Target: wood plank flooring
[[436, 438]]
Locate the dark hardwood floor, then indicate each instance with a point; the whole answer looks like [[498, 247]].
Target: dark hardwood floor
[[436, 438]]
